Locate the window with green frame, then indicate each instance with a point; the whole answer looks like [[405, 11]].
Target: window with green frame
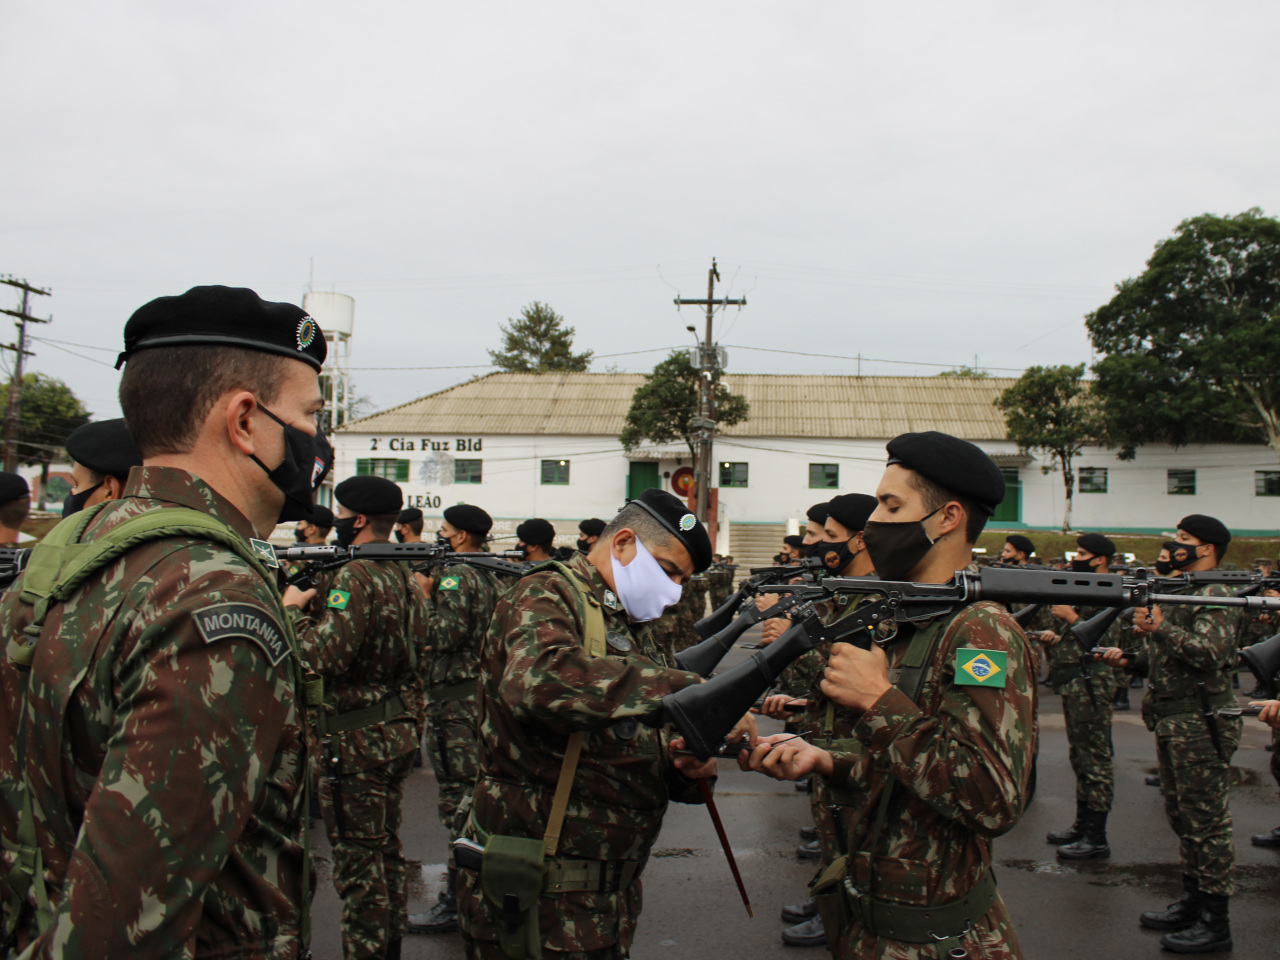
[[1266, 483], [733, 474], [824, 476], [397, 470], [555, 472], [1181, 482], [1092, 480], [467, 471]]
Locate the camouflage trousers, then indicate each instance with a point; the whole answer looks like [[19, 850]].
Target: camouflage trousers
[[1090, 749], [1275, 756], [991, 938], [452, 747], [370, 873], [1195, 783]]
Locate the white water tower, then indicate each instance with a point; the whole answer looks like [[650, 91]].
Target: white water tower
[[335, 313]]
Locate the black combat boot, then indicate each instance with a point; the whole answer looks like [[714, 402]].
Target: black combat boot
[[393, 950], [1072, 833], [1092, 844], [1121, 700], [443, 917], [1177, 916], [1210, 933], [1271, 839]]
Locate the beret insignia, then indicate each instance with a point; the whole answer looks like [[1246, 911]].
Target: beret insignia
[[687, 522]]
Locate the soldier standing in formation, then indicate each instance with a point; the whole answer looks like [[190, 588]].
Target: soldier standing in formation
[[1087, 688], [15, 504], [207, 857], [574, 770], [102, 454], [409, 525], [590, 531], [1189, 659], [1017, 550], [938, 764], [363, 639], [460, 604], [536, 540]]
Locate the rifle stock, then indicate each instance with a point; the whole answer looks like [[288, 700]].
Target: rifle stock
[[722, 616], [703, 658]]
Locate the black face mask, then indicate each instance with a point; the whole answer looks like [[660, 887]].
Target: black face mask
[[1180, 555], [837, 556], [300, 535], [443, 541], [816, 549], [400, 536], [344, 531], [306, 463], [584, 545], [896, 548], [1083, 566], [524, 550], [75, 501]]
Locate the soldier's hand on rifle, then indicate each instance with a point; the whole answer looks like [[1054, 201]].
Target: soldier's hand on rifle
[[856, 678], [766, 600], [773, 629], [1270, 714], [691, 767], [1064, 612], [776, 705], [293, 597], [1049, 638], [785, 756], [1147, 620], [1114, 656]]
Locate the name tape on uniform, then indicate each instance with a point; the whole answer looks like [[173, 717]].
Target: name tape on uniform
[[981, 668], [225, 620]]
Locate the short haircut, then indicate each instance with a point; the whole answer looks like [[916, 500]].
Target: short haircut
[[382, 524], [13, 513], [96, 478], [167, 392], [414, 525], [935, 497], [641, 522], [323, 529]]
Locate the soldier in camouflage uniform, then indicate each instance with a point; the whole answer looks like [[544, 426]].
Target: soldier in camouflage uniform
[[313, 530], [933, 778], [542, 690], [459, 608], [161, 721], [362, 637], [674, 630], [1087, 687], [719, 582], [1190, 655]]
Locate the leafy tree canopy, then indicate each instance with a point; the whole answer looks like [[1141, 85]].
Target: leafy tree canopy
[[665, 406], [968, 373], [49, 411], [1191, 351], [539, 342]]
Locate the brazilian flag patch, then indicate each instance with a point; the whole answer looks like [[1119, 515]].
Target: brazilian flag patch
[[449, 583], [338, 600], [981, 668]]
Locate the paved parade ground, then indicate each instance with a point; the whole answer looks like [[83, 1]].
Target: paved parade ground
[[1085, 909]]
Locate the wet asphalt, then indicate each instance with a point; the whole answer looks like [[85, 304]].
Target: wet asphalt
[[1085, 909]]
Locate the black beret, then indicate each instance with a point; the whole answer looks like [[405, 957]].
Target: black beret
[[321, 516], [1096, 544], [592, 527], [105, 447], [955, 465], [217, 316], [12, 487], [372, 496], [536, 532], [1208, 529], [1019, 542], [818, 513], [794, 540], [851, 510], [676, 517], [469, 517], [410, 514]]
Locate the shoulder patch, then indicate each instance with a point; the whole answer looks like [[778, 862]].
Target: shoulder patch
[[981, 668], [243, 620], [266, 553], [338, 599], [451, 582]]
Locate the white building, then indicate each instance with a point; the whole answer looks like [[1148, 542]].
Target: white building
[[545, 445]]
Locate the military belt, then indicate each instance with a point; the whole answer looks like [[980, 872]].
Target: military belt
[[387, 709], [930, 924], [588, 876], [454, 691], [1159, 709]]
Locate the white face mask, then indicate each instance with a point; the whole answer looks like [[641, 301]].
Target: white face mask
[[643, 586]]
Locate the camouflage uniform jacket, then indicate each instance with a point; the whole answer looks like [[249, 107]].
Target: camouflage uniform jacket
[[458, 617], [960, 765], [1069, 652], [1193, 645], [363, 641], [165, 749], [538, 685]]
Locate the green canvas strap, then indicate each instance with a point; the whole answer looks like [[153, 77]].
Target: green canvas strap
[[380, 712]]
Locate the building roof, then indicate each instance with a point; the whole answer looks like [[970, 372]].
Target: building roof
[[782, 405]]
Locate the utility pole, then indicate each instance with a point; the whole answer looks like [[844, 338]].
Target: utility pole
[[20, 349], [709, 366]]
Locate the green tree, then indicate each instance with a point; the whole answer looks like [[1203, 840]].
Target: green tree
[[665, 406], [48, 412], [968, 373], [1050, 410], [539, 342], [1191, 352]]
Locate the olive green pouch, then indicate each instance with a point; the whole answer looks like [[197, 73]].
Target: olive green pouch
[[511, 876], [828, 894]]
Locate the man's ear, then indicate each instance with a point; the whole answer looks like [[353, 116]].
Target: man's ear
[[238, 409], [112, 487], [623, 545], [952, 518]]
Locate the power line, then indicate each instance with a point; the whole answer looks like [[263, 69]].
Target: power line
[[862, 359]]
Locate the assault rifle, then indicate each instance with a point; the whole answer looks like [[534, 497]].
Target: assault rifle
[[706, 712], [13, 560], [423, 556], [723, 615]]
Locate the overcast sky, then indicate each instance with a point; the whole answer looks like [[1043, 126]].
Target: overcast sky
[[919, 182]]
